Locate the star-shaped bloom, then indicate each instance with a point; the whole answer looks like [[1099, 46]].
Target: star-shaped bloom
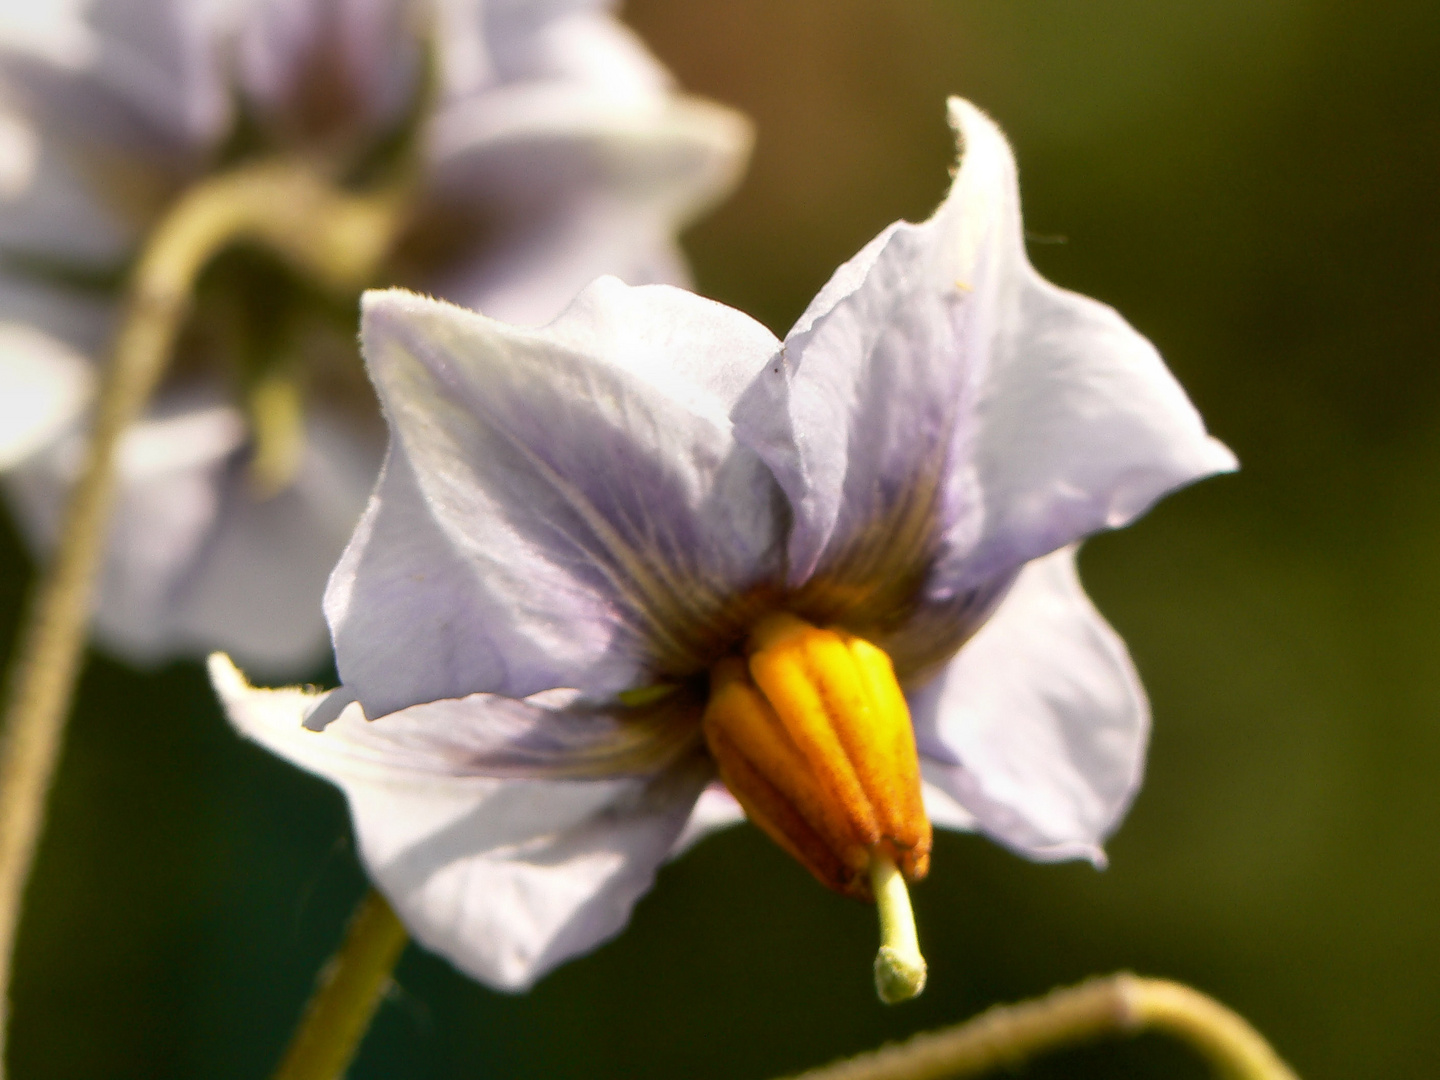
[[548, 148], [650, 543]]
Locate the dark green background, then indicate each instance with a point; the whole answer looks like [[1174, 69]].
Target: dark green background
[[1253, 183]]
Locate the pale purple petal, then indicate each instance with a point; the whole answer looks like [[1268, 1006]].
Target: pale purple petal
[[716, 809], [562, 186], [194, 560], [1038, 727], [170, 468], [505, 887], [129, 77], [45, 205], [575, 41], [873, 393], [44, 387], [488, 43], [577, 502], [553, 735], [165, 57], [316, 66], [940, 806], [256, 587], [505, 878], [941, 406]]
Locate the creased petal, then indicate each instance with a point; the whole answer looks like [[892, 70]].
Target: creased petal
[[943, 410], [554, 735], [859, 421], [559, 506], [1038, 727], [505, 878], [137, 76]]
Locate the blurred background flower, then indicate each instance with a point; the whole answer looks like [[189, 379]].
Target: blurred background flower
[[539, 145], [1253, 184]]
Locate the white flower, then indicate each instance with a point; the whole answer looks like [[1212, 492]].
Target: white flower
[[554, 150], [598, 558]]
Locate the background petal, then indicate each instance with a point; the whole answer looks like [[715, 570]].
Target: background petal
[[256, 587], [313, 68], [560, 507], [1038, 727], [716, 809], [114, 78], [44, 386], [578, 41], [505, 878], [194, 561], [560, 186]]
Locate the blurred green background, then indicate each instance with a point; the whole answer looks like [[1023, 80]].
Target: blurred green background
[[1253, 184]]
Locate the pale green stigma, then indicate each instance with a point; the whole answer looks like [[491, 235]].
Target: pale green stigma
[[899, 967]]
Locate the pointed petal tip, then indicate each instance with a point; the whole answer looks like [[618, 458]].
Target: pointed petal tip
[[970, 122], [1219, 458], [225, 677], [728, 130], [387, 303]]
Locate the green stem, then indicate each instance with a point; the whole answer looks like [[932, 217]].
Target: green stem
[[1122, 1004], [348, 993], [331, 236]]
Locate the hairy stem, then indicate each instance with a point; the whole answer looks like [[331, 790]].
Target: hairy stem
[[330, 236], [346, 996], [1116, 1005]]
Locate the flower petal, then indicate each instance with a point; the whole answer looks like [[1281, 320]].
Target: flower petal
[[170, 469], [505, 878], [585, 45], [256, 587], [1084, 427], [44, 386], [716, 809], [559, 507], [134, 75], [318, 67], [194, 560], [563, 186], [943, 410], [1038, 727]]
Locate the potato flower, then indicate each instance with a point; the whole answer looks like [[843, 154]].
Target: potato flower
[[542, 146], [649, 545]]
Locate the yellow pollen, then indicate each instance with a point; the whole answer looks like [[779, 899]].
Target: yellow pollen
[[812, 735]]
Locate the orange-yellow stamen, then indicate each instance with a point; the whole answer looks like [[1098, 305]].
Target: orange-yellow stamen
[[812, 735]]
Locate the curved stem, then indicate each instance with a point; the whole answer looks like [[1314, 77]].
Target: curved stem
[[348, 992], [334, 237], [1115, 1005]]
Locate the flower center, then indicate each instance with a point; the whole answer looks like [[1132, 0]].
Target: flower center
[[812, 735]]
